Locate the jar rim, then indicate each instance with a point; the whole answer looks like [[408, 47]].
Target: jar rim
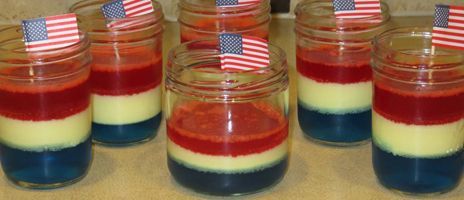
[[412, 31], [302, 9], [229, 88], [17, 56]]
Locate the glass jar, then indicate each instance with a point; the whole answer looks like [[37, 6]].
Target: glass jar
[[126, 74], [227, 131], [418, 112], [202, 18], [334, 73], [45, 113]]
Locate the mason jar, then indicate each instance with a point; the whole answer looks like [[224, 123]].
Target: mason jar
[[227, 130], [45, 113], [334, 73], [126, 74], [418, 112], [202, 18]]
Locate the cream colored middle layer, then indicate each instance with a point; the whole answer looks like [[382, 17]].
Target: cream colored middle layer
[[46, 135], [127, 109], [227, 163], [424, 141], [334, 97]]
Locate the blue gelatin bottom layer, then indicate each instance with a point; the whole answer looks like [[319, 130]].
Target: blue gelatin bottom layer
[[126, 133], [47, 167], [417, 175], [335, 128], [226, 184]]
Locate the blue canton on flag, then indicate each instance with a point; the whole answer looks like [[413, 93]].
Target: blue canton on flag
[[441, 16], [224, 3], [35, 30], [243, 52], [231, 43], [114, 10], [340, 5]]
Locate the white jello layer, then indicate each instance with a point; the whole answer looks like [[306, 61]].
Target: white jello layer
[[227, 164], [46, 135], [333, 97], [127, 109], [423, 141]]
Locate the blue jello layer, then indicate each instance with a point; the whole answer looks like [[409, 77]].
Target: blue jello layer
[[226, 184], [48, 167], [417, 175], [126, 133], [335, 128]]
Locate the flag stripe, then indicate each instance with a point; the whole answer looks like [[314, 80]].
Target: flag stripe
[[130, 8]]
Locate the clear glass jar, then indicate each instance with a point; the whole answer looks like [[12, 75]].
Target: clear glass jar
[[418, 112], [227, 131], [126, 74], [45, 113], [201, 18], [334, 73]]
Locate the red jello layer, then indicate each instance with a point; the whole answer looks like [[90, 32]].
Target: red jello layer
[[417, 107], [328, 65], [227, 129], [127, 79], [36, 102]]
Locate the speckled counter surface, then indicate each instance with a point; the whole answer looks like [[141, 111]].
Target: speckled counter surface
[[316, 171]]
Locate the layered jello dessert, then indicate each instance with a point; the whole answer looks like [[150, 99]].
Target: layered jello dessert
[[227, 148], [45, 125], [334, 98], [418, 113], [126, 97], [126, 69], [418, 134]]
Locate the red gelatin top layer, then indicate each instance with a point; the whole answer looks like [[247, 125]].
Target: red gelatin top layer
[[420, 108], [227, 129], [125, 77], [41, 100], [328, 65]]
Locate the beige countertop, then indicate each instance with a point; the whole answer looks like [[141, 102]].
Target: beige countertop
[[315, 172]]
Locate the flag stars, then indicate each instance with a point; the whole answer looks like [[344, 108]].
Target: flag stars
[[441, 16], [341, 5], [114, 10], [226, 2], [35, 30], [231, 43]]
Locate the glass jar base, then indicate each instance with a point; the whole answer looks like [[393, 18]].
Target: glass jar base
[[415, 194], [124, 144], [337, 144], [37, 186]]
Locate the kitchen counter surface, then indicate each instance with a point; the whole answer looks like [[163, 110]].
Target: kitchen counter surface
[[315, 172]]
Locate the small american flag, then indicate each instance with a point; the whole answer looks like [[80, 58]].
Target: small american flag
[[223, 3], [121, 9], [356, 8], [243, 52], [448, 27], [50, 32]]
